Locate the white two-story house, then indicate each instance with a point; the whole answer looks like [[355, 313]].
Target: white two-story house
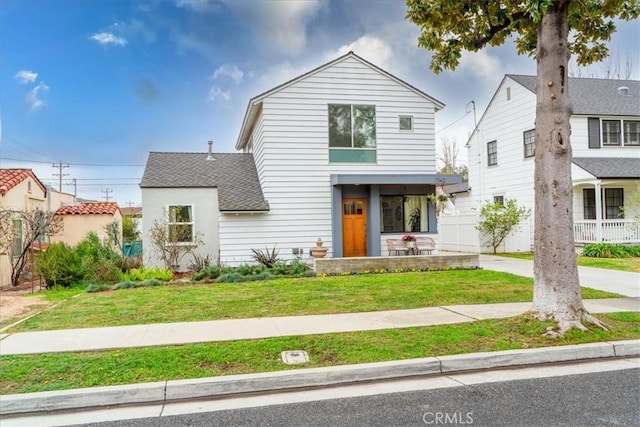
[[605, 140], [344, 153]]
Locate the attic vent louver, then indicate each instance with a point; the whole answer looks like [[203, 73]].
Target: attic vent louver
[[623, 90], [210, 155]]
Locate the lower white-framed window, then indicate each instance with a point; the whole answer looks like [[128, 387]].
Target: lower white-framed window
[[180, 223]]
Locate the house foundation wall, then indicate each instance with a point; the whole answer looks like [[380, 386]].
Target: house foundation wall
[[391, 263]]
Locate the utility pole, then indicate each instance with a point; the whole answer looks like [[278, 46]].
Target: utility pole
[[106, 192], [75, 187], [129, 204], [60, 166]]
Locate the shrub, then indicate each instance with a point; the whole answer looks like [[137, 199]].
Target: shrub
[[143, 273], [299, 268], [150, 282], [610, 250], [199, 262], [211, 272], [265, 275], [249, 270], [232, 278], [92, 287], [267, 257], [60, 265], [100, 263], [124, 285]]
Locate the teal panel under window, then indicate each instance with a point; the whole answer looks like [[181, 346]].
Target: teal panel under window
[[352, 156]]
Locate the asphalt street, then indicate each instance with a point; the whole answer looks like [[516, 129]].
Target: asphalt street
[[593, 399], [596, 393]]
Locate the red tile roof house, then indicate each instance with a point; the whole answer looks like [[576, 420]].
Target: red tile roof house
[[20, 190], [84, 217]]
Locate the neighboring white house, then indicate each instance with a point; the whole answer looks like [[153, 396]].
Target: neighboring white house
[[605, 139], [345, 153]]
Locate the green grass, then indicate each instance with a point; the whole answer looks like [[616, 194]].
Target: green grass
[[60, 371], [286, 297], [622, 264]]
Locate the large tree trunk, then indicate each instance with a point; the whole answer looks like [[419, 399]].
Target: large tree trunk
[[556, 294]]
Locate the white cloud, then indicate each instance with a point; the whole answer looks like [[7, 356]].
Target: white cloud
[[26, 76], [481, 64], [105, 38], [215, 93], [281, 24], [371, 48], [33, 98], [230, 71]]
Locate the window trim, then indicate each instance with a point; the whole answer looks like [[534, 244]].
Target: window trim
[[606, 206], [531, 143], [191, 223], [492, 154], [400, 117], [622, 134], [352, 147]]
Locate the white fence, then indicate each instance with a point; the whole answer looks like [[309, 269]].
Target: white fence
[[458, 234], [611, 231]]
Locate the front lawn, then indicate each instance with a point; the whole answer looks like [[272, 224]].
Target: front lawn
[[61, 371], [623, 264], [284, 297]]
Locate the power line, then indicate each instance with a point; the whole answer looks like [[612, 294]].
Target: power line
[[75, 164], [106, 192]]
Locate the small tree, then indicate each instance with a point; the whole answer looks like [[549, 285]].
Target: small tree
[[129, 231], [498, 220], [173, 241], [19, 230]]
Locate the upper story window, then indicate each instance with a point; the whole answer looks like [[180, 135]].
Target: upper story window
[[352, 133], [492, 153], [613, 133], [405, 122], [180, 224], [529, 143]]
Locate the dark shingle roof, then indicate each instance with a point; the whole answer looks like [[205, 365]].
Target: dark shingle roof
[[596, 96], [233, 174], [609, 167]]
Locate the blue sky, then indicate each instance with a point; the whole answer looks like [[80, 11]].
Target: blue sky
[[98, 84]]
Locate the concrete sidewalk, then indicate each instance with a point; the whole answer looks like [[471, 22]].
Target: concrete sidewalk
[[620, 282], [237, 329]]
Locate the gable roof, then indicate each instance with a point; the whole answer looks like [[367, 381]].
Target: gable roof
[[595, 96], [233, 174], [90, 208], [255, 104], [9, 178], [609, 167]]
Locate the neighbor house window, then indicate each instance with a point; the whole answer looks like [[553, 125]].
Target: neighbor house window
[[404, 214], [631, 132], [405, 122], [352, 133], [589, 203], [16, 242], [492, 153], [499, 200], [180, 224], [529, 143], [611, 132], [613, 202], [508, 94]]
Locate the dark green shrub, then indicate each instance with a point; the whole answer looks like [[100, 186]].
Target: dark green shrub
[[100, 262], [92, 287], [298, 268], [150, 282], [60, 265], [211, 272], [607, 250], [124, 285], [249, 270], [265, 275]]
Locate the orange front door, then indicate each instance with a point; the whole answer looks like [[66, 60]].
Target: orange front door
[[354, 227]]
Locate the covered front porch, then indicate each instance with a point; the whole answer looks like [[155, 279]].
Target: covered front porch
[[604, 210]]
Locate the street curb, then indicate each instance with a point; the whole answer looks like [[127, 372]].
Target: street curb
[[168, 391]]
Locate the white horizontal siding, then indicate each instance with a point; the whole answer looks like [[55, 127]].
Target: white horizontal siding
[[291, 150]]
